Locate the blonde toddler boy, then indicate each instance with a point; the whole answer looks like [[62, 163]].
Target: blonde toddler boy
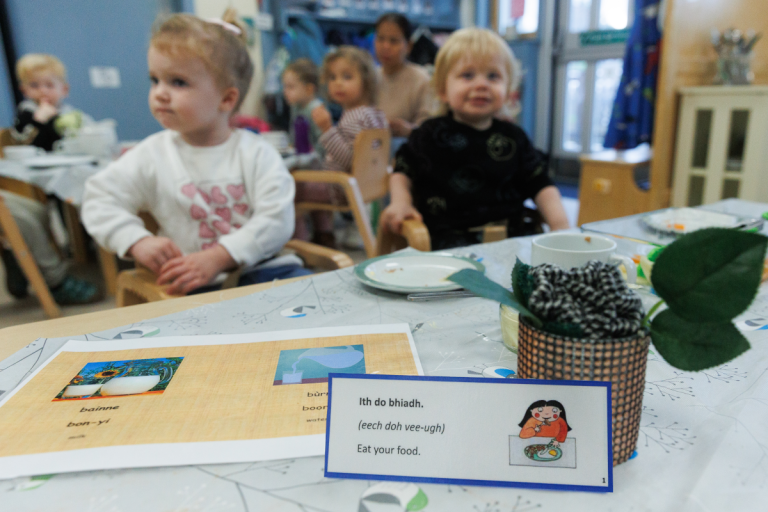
[[43, 118]]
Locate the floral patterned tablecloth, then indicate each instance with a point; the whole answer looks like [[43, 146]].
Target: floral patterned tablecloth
[[703, 439]]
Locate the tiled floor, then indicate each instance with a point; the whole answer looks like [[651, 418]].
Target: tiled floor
[[15, 312]]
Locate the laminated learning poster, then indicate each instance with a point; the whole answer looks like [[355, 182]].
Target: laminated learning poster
[[188, 400]]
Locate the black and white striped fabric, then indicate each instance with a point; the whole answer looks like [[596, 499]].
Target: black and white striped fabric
[[595, 297]]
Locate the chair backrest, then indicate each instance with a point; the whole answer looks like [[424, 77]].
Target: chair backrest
[[7, 140], [370, 161], [23, 188]]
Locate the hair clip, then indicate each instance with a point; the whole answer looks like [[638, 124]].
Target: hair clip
[[227, 26]]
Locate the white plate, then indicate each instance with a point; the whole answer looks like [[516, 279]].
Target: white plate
[[413, 272], [686, 220], [58, 160]]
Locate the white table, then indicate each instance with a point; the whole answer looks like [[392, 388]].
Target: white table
[[66, 182], [703, 438]]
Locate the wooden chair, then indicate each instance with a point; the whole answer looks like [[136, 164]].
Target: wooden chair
[[11, 234], [368, 182], [138, 285], [71, 215], [416, 235], [7, 140]]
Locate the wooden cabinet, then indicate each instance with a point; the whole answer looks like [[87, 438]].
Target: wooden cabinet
[[722, 145], [613, 184]]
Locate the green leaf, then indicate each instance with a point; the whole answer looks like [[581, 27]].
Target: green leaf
[[476, 282], [693, 346], [522, 282], [710, 275]]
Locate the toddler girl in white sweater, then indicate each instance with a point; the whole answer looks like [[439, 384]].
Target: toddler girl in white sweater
[[222, 197]]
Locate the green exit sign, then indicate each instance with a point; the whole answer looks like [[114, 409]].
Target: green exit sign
[[599, 37]]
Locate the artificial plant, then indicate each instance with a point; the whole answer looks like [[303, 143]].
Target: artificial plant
[[705, 278]]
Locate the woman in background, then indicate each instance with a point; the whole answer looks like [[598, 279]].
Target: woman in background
[[404, 91]]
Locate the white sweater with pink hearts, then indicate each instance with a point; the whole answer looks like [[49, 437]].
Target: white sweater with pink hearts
[[238, 194]]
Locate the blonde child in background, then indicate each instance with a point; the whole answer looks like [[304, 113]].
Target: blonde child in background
[[350, 76], [43, 118], [301, 80], [466, 168], [222, 197]]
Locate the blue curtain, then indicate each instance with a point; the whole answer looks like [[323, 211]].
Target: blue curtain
[[632, 116]]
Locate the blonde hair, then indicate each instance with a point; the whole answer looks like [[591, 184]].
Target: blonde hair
[[32, 63], [363, 61], [480, 45], [223, 52]]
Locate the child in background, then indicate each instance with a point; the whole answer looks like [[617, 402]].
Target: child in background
[[466, 168], [222, 197], [42, 118], [300, 84], [350, 75]]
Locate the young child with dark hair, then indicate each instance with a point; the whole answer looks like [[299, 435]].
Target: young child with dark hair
[[301, 81], [350, 76], [467, 168]]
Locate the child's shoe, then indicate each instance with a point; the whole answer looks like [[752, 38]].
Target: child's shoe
[[15, 280], [75, 291]]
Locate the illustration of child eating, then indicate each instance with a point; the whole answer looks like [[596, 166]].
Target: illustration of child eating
[[545, 418]]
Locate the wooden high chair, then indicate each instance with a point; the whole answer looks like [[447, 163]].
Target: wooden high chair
[[137, 286], [368, 182], [11, 234]]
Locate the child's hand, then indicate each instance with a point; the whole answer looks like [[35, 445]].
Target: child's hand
[[400, 127], [393, 216], [322, 118], [154, 251], [45, 111], [185, 273]]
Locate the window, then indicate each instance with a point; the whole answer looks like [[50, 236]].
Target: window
[[579, 15], [588, 72], [607, 78], [573, 120], [614, 14], [518, 16]]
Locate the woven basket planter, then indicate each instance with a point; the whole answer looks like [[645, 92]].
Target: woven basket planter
[[542, 355]]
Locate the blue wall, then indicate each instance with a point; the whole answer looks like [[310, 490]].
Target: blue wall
[[7, 109], [84, 33]]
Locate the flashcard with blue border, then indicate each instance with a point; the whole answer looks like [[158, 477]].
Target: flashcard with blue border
[[509, 433]]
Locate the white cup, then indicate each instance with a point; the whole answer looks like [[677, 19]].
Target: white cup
[[569, 250], [21, 152]]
